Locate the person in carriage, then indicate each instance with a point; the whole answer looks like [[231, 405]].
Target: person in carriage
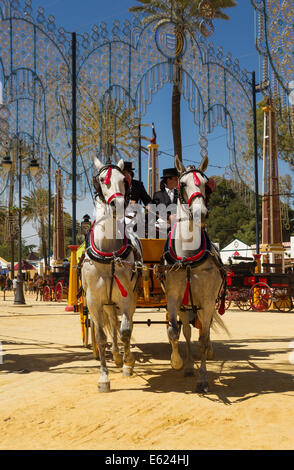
[[137, 191], [168, 196]]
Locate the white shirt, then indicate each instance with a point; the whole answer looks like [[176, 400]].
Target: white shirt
[[171, 193]]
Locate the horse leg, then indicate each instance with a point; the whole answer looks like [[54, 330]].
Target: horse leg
[[188, 369], [117, 357], [205, 350], [103, 382], [173, 336], [125, 334], [110, 311]]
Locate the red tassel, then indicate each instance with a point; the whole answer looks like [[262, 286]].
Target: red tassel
[[196, 179], [186, 295], [121, 288], [107, 177], [221, 309]]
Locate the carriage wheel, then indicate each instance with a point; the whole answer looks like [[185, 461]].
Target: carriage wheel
[[94, 341], [242, 301], [283, 301], [58, 292], [46, 294], [260, 297]]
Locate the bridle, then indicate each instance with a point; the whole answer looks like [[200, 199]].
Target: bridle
[[97, 183], [197, 184]]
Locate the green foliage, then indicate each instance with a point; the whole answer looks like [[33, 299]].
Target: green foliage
[[67, 220], [229, 216]]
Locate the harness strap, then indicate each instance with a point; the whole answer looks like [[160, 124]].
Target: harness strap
[[113, 196], [111, 281]]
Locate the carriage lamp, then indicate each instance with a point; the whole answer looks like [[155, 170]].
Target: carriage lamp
[[6, 163], [34, 167], [86, 224]]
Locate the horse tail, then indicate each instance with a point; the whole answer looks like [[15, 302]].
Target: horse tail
[[218, 323]]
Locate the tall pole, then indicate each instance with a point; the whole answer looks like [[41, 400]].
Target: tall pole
[[49, 207], [19, 295], [74, 136], [255, 161], [140, 154]]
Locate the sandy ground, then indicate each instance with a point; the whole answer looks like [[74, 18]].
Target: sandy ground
[[49, 397]]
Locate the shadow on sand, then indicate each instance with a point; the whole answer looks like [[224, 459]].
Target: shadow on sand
[[241, 369]]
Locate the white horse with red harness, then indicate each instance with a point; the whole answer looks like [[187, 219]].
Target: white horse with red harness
[[194, 275], [109, 274]]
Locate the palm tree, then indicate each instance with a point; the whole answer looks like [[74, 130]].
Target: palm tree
[[35, 209], [187, 15]]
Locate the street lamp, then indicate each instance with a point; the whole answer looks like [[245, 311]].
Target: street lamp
[[34, 168]]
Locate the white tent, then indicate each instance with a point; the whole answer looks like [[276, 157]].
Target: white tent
[[236, 248], [4, 265]]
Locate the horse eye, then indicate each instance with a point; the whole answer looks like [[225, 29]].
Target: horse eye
[[102, 180]]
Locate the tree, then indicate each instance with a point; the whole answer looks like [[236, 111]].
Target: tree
[[186, 15], [229, 216], [35, 209], [68, 232]]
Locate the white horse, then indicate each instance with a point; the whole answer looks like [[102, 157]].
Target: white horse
[[109, 277], [193, 271]]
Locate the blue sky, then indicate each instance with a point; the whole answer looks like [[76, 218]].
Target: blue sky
[[236, 36]]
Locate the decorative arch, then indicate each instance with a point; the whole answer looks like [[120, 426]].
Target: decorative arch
[[129, 63]]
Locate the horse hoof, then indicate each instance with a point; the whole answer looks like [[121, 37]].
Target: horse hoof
[[103, 387], [202, 387], [127, 371], [176, 362]]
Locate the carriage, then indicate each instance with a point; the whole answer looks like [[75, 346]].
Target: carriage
[[151, 293], [56, 286], [258, 291]]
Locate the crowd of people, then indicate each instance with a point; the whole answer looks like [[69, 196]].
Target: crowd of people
[[32, 286]]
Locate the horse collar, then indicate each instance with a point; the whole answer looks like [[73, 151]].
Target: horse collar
[[107, 257], [200, 255]]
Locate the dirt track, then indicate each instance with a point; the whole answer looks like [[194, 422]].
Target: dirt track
[[49, 397]]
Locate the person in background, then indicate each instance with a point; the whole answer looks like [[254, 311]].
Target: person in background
[[137, 191], [168, 193], [14, 284]]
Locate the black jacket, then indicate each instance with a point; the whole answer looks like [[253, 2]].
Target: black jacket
[[161, 197], [138, 193]]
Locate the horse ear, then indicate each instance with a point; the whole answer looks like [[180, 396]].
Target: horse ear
[[121, 164], [204, 164], [97, 163], [179, 165]]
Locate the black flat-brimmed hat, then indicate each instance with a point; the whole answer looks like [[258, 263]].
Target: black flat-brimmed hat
[[129, 167], [169, 173]]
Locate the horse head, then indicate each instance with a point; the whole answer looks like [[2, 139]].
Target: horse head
[[109, 183], [194, 186]]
